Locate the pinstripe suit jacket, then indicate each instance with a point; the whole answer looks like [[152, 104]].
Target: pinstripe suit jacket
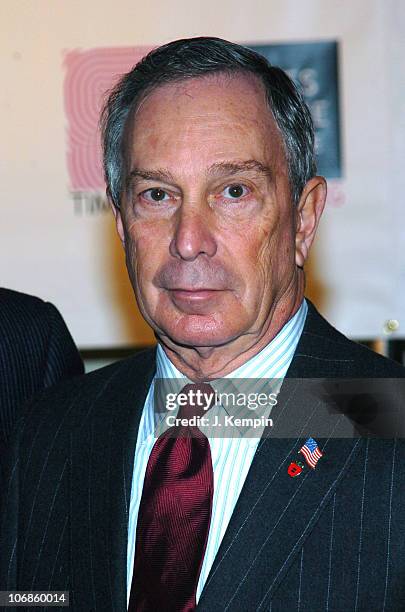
[[36, 351], [331, 539]]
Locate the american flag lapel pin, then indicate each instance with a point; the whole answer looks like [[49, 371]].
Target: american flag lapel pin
[[311, 452]]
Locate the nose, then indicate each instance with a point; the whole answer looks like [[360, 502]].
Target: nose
[[192, 237]]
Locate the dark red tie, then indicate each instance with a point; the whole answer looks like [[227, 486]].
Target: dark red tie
[[174, 518]]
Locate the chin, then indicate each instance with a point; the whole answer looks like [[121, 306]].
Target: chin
[[200, 331]]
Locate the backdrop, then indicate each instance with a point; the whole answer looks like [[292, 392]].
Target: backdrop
[[57, 60]]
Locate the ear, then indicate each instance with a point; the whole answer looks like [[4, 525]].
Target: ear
[[118, 218], [309, 211]]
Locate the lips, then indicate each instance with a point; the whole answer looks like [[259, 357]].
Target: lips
[[194, 301], [194, 294]]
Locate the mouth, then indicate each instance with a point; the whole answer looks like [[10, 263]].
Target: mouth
[[201, 301], [194, 295]]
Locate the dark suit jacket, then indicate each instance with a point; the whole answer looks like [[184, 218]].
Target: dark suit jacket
[[331, 539], [36, 351]]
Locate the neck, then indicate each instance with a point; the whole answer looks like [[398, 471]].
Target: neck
[[207, 363]]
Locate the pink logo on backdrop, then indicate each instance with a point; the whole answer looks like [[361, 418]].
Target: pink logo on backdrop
[[89, 75]]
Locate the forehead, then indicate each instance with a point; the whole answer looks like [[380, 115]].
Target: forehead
[[203, 120]]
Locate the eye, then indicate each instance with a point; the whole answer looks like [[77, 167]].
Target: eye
[[235, 192], [155, 195]]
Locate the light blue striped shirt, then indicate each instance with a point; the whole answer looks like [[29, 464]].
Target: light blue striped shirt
[[231, 456]]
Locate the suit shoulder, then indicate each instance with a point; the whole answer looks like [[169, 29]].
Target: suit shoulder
[[36, 348], [17, 297], [25, 316], [20, 303]]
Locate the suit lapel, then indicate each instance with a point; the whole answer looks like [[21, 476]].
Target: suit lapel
[[102, 465], [275, 513], [274, 516]]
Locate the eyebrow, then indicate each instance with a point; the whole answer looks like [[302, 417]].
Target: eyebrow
[[229, 168], [215, 170], [151, 175]]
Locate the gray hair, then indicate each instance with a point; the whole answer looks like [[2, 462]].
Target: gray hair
[[195, 57]]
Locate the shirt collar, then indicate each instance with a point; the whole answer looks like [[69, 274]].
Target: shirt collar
[[272, 362]]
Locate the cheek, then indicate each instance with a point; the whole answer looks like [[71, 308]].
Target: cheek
[[143, 249], [274, 251], [249, 256], [267, 244]]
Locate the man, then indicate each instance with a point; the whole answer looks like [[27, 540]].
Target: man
[[211, 175], [36, 351]]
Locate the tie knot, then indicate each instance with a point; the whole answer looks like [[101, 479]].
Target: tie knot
[[195, 399]]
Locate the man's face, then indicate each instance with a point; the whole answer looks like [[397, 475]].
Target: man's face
[[207, 219]]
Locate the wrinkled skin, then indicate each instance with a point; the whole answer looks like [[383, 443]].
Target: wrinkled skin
[[214, 244]]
